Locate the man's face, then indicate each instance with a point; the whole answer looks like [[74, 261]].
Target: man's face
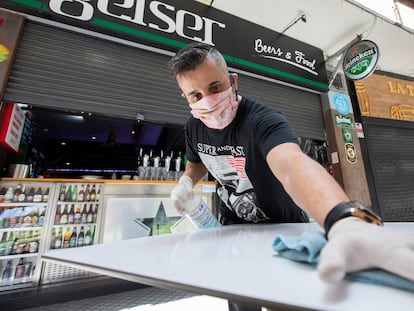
[[207, 79]]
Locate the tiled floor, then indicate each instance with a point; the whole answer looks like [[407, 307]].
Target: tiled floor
[[109, 294], [147, 299]]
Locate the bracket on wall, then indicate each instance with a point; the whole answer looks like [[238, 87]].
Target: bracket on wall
[[341, 53]]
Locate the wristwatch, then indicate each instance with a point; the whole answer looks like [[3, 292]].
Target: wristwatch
[[351, 208]]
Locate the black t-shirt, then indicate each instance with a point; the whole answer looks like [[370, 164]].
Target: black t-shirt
[[236, 158]]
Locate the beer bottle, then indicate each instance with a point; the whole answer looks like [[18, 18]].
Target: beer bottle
[[34, 242], [45, 196], [74, 193], [18, 274], [95, 214], [8, 196], [41, 220], [78, 215], [81, 194], [93, 235], [98, 194], [88, 193], [9, 249], [38, 195], [64, 216], [62, 193], [81, 238], [58, 214], [66, 238], [84, 215], [68, 194], [30, 195], [88, 237], [7, 273], [35, 217], [89, 217], [74, 235], [59, 237], [53, 239], [20, 216], [27, 271], [93, 193], [71, 214], [22, 194]]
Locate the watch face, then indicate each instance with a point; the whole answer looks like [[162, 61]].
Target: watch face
[[358, 210]]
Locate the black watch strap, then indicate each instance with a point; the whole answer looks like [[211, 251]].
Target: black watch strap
[[351, 208]]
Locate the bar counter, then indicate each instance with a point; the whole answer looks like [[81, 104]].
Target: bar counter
[[79, 212]]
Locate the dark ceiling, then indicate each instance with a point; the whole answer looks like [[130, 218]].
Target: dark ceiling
[[116, 144], [60, 125]]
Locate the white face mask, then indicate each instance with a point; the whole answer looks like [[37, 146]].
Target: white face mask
[[216, 111]]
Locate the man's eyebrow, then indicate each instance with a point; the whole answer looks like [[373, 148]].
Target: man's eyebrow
[[192, 92], [214, 83]]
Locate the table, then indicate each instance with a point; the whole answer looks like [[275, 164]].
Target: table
[[233, 262]]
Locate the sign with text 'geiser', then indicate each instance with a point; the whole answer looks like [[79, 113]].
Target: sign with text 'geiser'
[[172, 24]]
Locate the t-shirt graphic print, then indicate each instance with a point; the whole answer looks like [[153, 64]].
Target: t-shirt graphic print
[[236, 190]]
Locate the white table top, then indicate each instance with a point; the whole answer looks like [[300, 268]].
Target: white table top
[[234, 262]]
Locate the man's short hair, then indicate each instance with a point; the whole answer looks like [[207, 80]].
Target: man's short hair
[[193, 55]]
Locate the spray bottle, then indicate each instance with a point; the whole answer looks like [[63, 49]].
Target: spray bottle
[[199, 213]]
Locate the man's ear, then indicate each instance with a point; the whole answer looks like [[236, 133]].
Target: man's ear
[[234, 81], [234, 78]]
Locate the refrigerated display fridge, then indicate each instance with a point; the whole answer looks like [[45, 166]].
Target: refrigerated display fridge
[[74, 222], [24, 208]]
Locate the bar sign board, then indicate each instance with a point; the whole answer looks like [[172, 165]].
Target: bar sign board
[[12, 128], [11, 26]]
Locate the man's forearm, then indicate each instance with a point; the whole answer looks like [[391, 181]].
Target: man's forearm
[[195, 171], [306, 181]]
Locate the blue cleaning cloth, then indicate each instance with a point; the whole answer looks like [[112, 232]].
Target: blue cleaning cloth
[[306, 248]]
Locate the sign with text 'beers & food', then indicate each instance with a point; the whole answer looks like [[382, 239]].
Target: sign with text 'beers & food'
[[172, 24]]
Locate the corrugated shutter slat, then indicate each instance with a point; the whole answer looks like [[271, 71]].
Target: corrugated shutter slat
[[391, 148]]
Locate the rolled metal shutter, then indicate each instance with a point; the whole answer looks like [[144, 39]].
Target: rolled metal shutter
[[302, 108], [61, 69], [390, 145]]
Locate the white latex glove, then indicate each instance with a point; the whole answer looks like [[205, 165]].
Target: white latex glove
[[354, 245], [181, 192]]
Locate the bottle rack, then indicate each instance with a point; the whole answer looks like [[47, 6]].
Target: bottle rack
[[23, 210], [74, 223]]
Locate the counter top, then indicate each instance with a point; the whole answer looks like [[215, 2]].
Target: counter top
[[233, 262], [108, 181]]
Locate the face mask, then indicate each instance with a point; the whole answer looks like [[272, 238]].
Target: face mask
[[216, 111]]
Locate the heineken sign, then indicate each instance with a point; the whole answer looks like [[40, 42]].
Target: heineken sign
[[172, 24], [361, 60]]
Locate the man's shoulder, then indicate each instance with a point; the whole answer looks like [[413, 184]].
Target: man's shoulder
[[257, 110]]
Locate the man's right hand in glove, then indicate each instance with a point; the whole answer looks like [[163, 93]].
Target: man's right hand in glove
[[181, 192]]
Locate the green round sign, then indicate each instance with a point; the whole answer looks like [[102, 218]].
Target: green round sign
[[361, 60]]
